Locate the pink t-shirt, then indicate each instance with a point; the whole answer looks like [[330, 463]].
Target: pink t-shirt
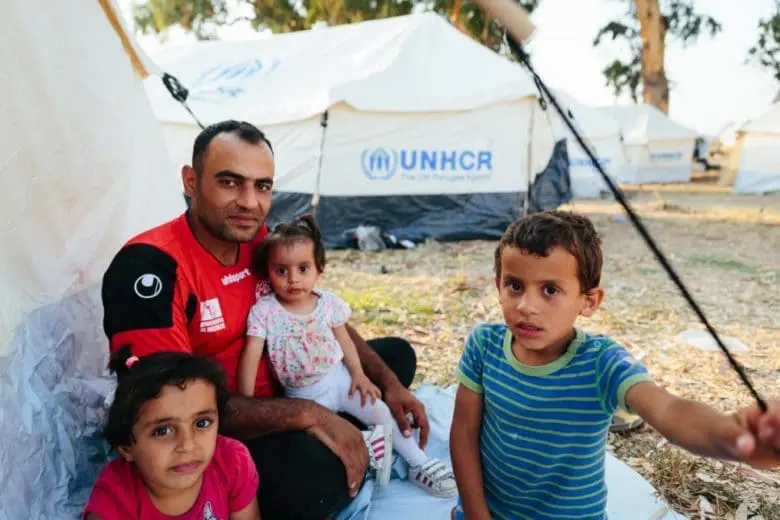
[[229, 485], [302, 348]]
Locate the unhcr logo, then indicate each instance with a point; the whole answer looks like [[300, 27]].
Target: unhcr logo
[[227, 80], [378, 163], [382, 164]]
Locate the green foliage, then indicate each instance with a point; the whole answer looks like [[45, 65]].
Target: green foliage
[[766, 51], [202, 17], [680, 20]]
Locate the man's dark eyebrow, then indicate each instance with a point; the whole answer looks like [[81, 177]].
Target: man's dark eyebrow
[[228, 174]]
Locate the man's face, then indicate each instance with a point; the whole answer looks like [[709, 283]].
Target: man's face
[[231, 197]]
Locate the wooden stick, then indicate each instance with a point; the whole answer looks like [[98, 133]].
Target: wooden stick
[[514, 18]]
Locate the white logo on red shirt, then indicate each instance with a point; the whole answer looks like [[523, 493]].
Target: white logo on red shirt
[[147, 286], [235, 277], [211, 319]]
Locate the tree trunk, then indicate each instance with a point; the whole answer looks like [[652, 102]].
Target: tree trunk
[[652, 28], [455, 12]]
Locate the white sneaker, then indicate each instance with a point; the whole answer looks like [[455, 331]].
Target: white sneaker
[[379, 441], [435, 477]]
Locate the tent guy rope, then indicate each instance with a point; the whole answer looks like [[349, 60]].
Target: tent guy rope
[[520, 28]]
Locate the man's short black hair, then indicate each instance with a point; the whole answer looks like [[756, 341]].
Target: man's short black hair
[[247, 132]]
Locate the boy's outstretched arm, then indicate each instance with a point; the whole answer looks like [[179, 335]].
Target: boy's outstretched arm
[[703, 430], [464, 451]]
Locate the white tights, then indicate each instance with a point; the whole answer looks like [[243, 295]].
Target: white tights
[[332, 393]]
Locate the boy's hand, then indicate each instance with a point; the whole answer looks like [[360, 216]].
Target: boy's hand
[[363, 384], [757, 435]]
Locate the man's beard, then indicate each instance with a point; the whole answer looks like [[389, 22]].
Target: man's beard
[[225, 232]]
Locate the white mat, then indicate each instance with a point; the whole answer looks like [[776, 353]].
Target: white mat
[[630, 497]]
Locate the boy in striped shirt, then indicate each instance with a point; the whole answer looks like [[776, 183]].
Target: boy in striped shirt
[[537, 394]]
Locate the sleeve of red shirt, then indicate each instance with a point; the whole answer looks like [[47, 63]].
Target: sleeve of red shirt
[[242, 468], [110, 498], [145, 303]]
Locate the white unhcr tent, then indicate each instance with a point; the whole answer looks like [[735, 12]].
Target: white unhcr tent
[[428, 131], [83, 166], [757, 154], [599, 130], [86, 169], [657, 149]]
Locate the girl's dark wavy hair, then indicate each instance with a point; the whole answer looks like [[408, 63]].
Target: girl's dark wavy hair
[[144, 381], [299, 229]]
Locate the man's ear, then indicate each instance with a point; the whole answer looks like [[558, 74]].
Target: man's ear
[[592, 301], [188, 179], [124, 452]]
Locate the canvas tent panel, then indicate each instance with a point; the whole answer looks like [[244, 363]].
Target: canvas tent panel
[[400, 64], [438, 153], [666, 161], [80, 147], [759, 164], [766, 123], [296, 146], [601, 131], [586, 181]]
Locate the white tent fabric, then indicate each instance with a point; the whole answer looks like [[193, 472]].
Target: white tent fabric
[[601, 131], [82, 158], [407, 84], [404, 83], [756, 152], [84, 155], [657, 149]]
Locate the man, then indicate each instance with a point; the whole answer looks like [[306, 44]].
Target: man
[[186, 285]]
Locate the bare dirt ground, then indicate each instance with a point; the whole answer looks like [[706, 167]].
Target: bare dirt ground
[[726, 249]]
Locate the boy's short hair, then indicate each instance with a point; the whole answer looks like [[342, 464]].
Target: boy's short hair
[[539, 233]]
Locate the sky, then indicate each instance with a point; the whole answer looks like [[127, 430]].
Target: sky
[[712, 86]]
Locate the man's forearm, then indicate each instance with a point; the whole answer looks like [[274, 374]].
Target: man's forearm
[[248, 417], [376, 369]]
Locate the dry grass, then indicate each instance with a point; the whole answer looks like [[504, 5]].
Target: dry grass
[[728, 254]]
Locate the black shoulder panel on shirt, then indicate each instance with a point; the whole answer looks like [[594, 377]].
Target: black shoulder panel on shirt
[[138, 289], [192, 307]]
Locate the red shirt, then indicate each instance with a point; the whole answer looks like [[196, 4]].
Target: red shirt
[[165, 291], [229, 484]]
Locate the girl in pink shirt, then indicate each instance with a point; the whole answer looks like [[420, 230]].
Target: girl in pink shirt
[[313, 356], [172, 464]]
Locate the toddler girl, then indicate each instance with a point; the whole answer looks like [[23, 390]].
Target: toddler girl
[[311, 352], [172, 463]]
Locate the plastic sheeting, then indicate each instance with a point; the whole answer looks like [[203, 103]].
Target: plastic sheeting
[[83, 165], [629, 496], [552, 187]]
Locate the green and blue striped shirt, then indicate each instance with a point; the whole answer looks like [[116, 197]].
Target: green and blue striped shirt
[[544, 428]]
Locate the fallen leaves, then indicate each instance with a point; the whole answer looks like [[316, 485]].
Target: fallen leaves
[[434, 294]]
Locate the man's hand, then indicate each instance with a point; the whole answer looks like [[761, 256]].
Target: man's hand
[[346, 441], [402, 403]]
